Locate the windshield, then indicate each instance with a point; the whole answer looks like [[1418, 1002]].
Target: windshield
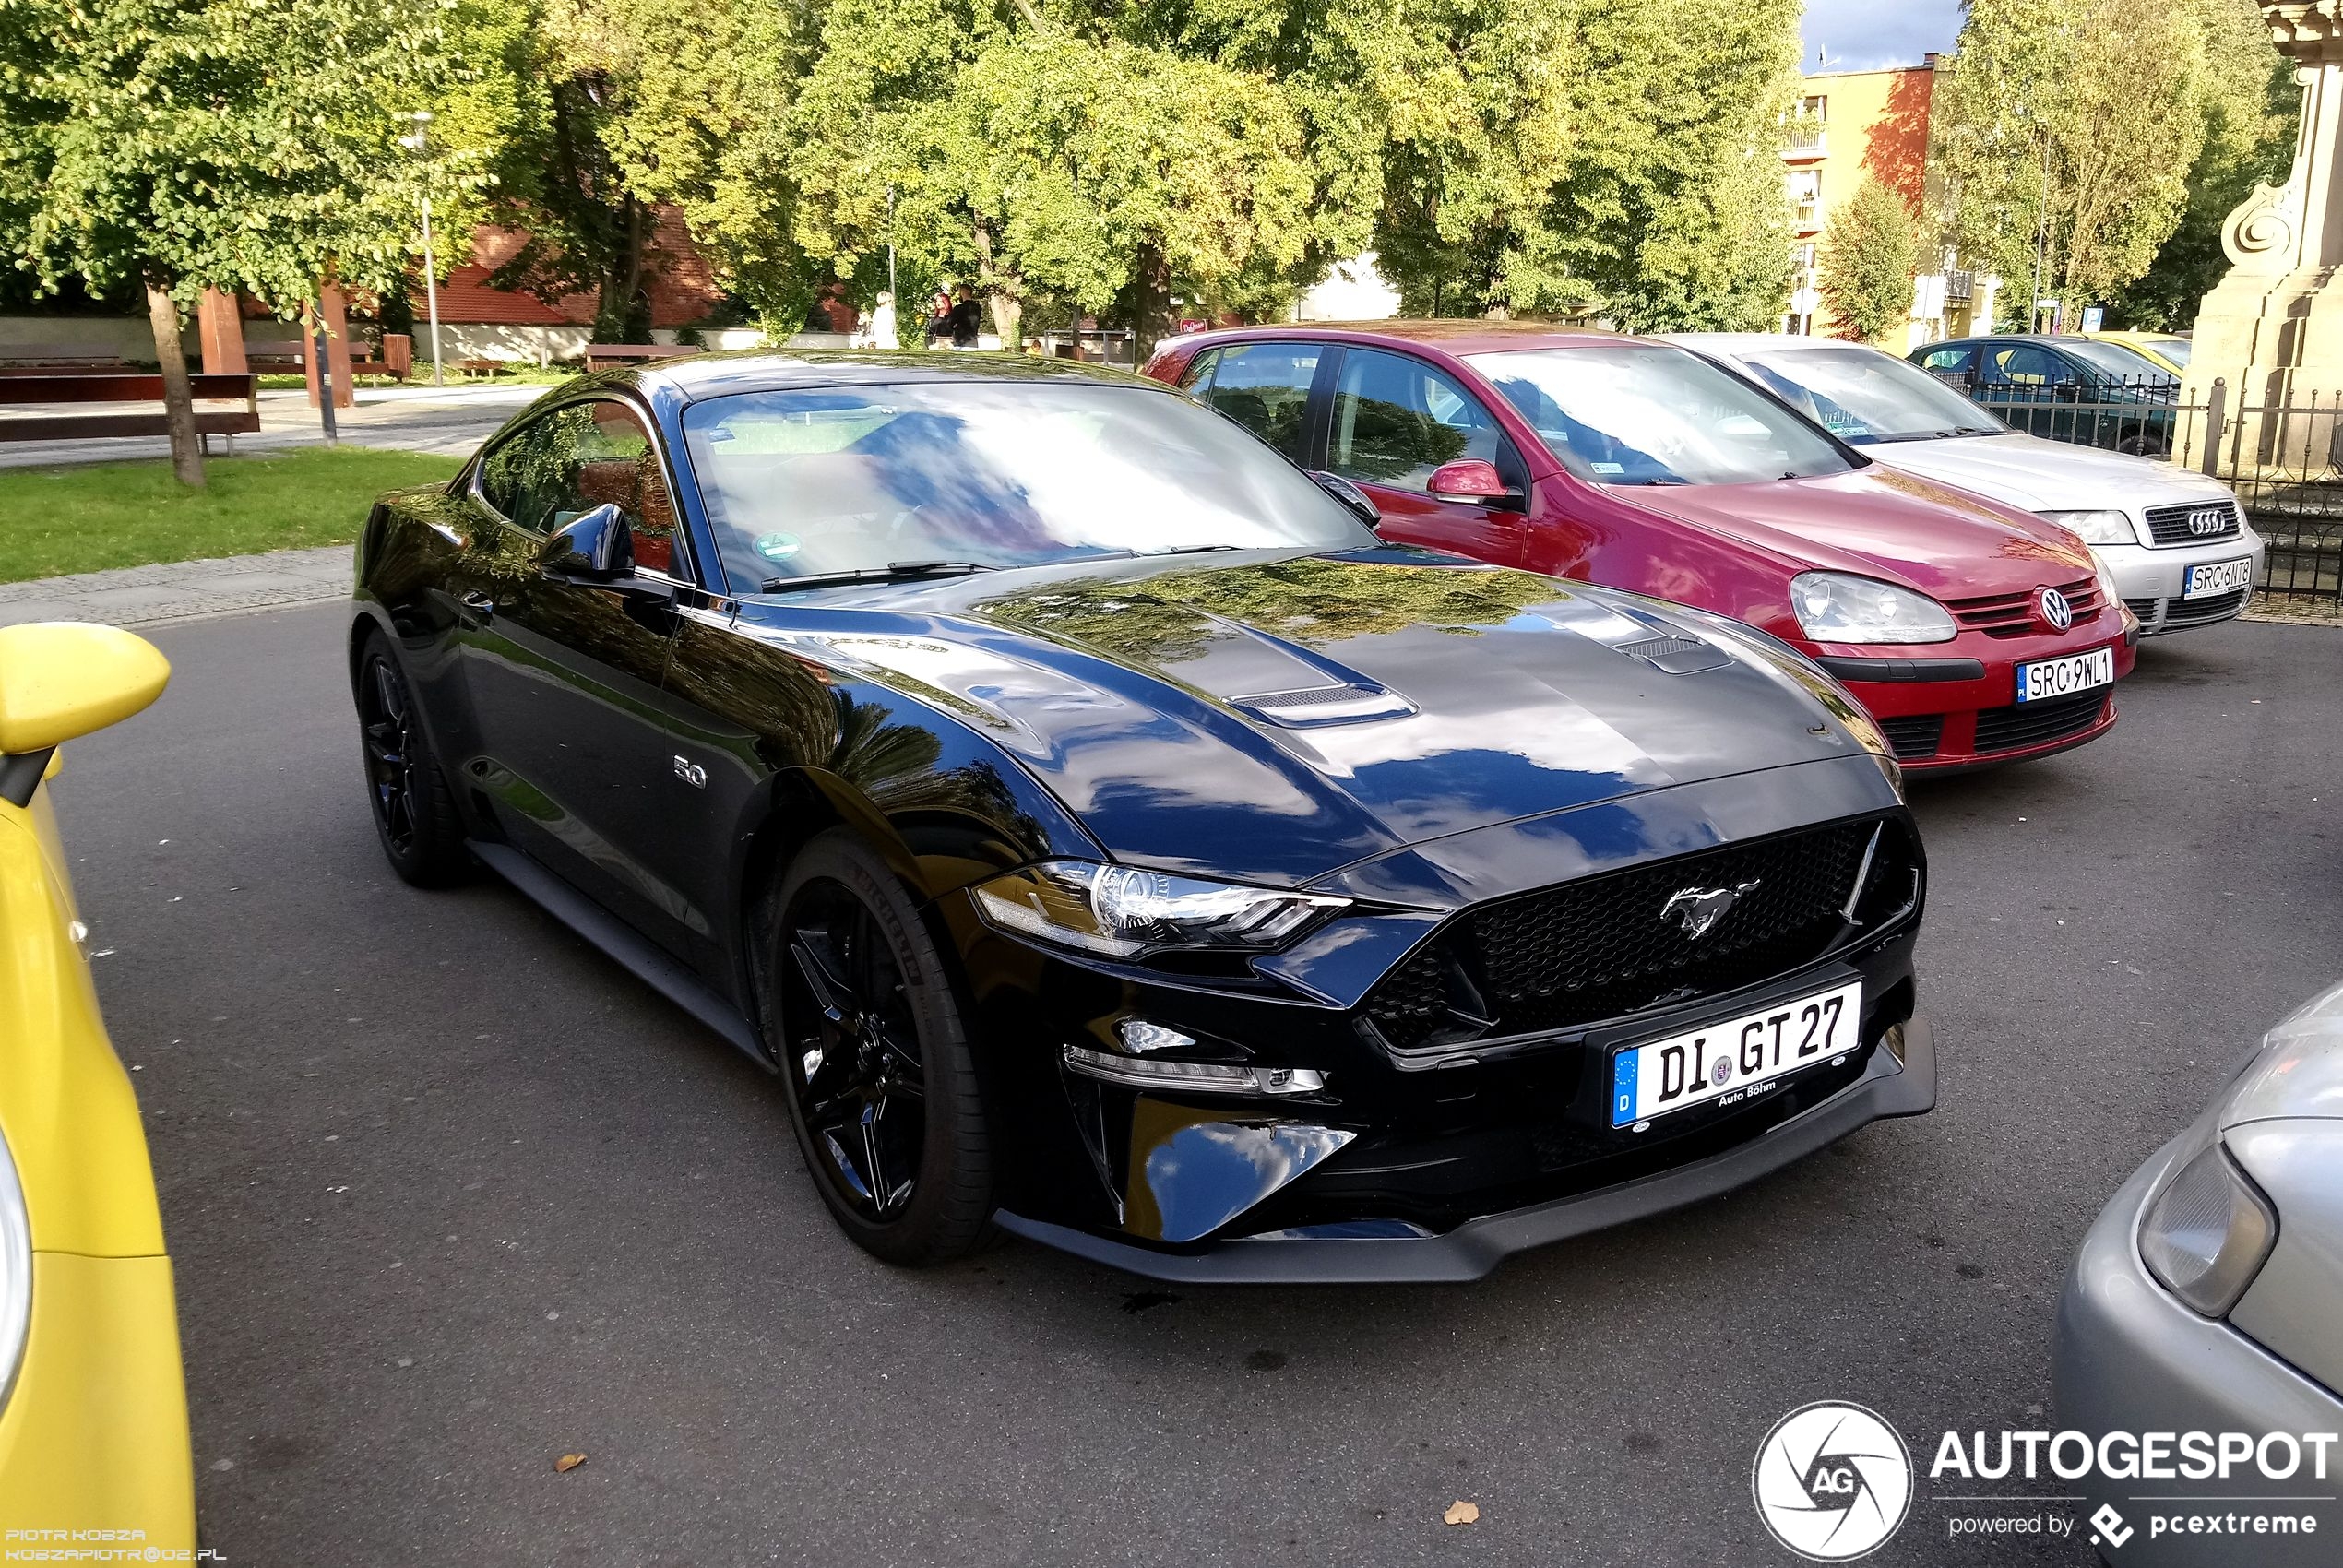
[[1863, 396], [802, 483], [2114, 360], [1644, 413]]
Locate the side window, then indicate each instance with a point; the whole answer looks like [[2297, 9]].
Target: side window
[[1948, 361], [1266, 388], [1397, 419], [578, 457], [2022, 364], [1198, 377]]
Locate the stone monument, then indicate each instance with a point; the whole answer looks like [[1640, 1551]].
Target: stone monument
[[2272, 329]]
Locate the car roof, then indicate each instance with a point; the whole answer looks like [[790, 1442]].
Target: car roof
[[696, 377], [1456, 335], [1753, 342]]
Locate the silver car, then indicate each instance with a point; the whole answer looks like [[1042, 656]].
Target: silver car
[[2176, 542], [2208, 1299]]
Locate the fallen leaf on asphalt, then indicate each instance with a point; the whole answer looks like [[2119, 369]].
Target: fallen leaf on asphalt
[[569, 1461], [1461, 1512]]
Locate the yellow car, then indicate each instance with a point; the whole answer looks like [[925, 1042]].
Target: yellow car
[[2165, 351], [94, 1455]]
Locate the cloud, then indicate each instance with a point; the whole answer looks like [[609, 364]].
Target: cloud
[[1868, 34]]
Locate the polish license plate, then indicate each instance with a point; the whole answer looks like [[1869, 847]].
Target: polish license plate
[[2218, 576], [1735, 1058], [2064, 677]]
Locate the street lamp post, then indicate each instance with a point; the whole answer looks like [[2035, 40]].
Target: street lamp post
[[418, 143]]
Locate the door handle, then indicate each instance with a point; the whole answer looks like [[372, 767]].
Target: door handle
[[481, 605]]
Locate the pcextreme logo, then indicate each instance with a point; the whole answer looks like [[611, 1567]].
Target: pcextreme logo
[[1832, 1481]]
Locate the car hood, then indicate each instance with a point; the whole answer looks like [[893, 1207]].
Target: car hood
[[2298, 1070], [1881, 522], [2041, 476], [1274, 716]]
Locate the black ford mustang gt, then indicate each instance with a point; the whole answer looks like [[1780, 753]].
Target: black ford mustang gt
[[1103, 835]]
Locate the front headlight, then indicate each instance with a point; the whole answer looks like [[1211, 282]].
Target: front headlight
[[2095, 528], [1125, 911], [2207, 1231], [16, 1274], [1833, 607], [2107, 594]]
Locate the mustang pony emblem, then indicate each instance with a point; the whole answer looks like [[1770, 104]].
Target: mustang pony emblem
[[1697, 908]]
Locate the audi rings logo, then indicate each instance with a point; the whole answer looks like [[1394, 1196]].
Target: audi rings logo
[[2208, 520], [1832, 1481], [2057, 614]]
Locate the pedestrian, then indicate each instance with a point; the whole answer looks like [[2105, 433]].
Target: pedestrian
[[966, 316], [939, 320], [882, 332]]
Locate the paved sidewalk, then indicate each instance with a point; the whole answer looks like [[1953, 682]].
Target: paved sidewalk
[[182, 590], [450, 421]]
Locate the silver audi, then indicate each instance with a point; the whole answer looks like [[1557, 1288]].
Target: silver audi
[[2207, 1301]]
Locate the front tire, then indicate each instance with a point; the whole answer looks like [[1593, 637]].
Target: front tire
[[882, 1086], [415, 816]]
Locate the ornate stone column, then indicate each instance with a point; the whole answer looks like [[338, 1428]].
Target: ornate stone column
[[2273, 328]]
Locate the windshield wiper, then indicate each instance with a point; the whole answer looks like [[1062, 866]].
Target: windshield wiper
[[893, 572]]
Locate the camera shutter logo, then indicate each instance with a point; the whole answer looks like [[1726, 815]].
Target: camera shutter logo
[[1832, 1481]]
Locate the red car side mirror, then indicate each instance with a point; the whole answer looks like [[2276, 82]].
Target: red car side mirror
[[1468, 479]]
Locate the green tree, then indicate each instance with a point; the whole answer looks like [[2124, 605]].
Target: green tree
[[2065, 131], [1867, 263], [2251, 106], [175, 145]]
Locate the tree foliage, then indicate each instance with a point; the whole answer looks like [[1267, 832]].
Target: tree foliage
[[2083, 119], [2251, 106], [1868, 261]]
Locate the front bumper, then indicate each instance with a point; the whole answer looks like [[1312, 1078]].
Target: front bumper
[[2150, 580], [2128, 1356], [1354, 1255], [1951, 705], [94, 1439]]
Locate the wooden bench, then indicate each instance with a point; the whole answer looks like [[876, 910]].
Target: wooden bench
[[66, 388], [395, 360], [604, 356], [34, 358]]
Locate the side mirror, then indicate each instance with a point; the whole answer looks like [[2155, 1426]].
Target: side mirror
[[1471, 480], [594, 546], [1350, 495], [63, 679]]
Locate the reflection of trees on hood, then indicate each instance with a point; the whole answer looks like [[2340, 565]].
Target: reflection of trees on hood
[[1314, 602]]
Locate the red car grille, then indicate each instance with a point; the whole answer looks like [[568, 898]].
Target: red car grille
[[2014, 614]]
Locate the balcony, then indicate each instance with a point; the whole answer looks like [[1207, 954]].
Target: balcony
[[1806, 139]]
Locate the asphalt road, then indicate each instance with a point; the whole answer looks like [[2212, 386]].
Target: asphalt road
[[449, 1199]]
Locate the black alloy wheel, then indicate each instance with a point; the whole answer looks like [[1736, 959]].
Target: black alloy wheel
[[882, 1088], [414, 813]]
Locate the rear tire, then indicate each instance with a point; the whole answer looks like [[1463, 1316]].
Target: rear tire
[[882, 1086], [414, 811]]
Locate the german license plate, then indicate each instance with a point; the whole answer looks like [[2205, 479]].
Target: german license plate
[[2218, 576], [1735, 1058], [2064, 677]]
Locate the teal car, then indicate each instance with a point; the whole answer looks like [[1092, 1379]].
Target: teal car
[[2075, 389]]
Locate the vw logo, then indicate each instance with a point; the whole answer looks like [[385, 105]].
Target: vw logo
[[2057, 614], [2208, 520], [1697, 908]]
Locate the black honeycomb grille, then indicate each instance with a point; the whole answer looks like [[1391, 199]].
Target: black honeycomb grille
[[1599, 948]]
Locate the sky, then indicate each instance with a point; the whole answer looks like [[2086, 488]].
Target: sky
[[1865, 34]]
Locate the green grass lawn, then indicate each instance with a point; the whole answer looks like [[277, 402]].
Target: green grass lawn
[[89, 516]]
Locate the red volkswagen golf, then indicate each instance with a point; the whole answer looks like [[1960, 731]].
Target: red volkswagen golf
[[1973, 632]]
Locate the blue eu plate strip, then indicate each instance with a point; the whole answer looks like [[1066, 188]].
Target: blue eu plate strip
[[1622, 1088]]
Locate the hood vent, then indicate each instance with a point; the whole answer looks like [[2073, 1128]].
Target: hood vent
[[1677, 654], [1309, 706]]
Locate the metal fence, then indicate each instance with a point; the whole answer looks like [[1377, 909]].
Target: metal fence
[[2282, 453]]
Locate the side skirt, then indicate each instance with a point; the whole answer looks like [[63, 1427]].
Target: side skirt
[[617, 940]]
